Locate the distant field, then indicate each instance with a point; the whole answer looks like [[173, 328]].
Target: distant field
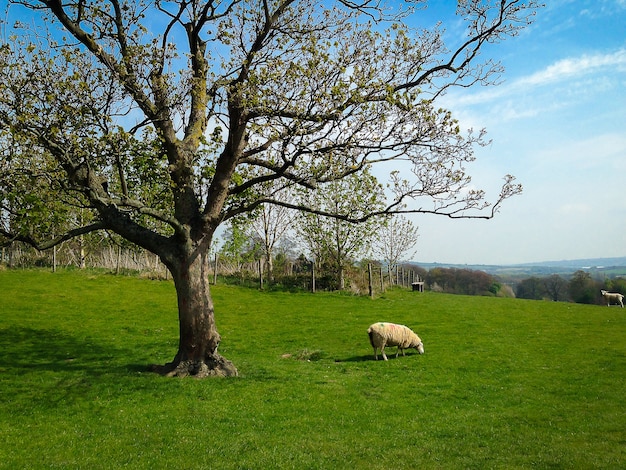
[[598, 268], [504, 383]]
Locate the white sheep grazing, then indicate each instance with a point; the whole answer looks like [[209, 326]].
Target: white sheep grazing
[[390, 334], [612, 297]]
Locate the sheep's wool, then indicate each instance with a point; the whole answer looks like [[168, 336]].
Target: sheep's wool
[[390, 334]]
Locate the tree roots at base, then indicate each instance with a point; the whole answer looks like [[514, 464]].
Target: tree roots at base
[[213, 366]]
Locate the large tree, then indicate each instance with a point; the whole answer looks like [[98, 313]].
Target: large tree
[[163, 119]]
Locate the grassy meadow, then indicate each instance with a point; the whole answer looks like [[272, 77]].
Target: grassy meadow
[[504, 383]]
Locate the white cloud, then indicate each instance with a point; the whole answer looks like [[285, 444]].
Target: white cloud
[[606, 151], [603, 8], [573, 67], [561, 71]]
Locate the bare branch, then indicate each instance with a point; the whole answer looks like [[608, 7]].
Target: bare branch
[[484, 30], [466, 208]]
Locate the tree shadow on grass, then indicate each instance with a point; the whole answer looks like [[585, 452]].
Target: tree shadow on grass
[[45, 350], [46, 369]]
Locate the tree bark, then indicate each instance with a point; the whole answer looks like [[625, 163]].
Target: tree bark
[[269, 259], [199, 339]]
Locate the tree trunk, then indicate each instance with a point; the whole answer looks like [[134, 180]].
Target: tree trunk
[[270, 266], [197, 349], [342, 281], [369, 280]]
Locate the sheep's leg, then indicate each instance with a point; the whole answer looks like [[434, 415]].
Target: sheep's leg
[[375, 353], [382, 350]]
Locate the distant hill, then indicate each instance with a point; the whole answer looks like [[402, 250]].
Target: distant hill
[[604, 266], [582, 263]]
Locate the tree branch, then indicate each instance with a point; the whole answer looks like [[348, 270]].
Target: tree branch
[[471, 47], [41, 246], [126, 76], [456, 209]]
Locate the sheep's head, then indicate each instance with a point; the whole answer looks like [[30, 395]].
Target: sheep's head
[[420, 348], [603, 292]]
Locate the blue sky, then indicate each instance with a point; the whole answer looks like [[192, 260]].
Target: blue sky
[[558, 123]]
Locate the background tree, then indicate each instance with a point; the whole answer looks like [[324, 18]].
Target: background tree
[[583, 289], [271, 224], [286, 254], [532, 288], [208, 101], [617, 284], [240, 246], [395, 240], [333, 239], [461, 281], [556, 287]]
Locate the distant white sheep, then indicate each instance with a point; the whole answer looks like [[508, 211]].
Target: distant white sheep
[[612, 297], [390, 334]]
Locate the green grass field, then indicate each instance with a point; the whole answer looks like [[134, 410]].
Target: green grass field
[[504, 383]]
